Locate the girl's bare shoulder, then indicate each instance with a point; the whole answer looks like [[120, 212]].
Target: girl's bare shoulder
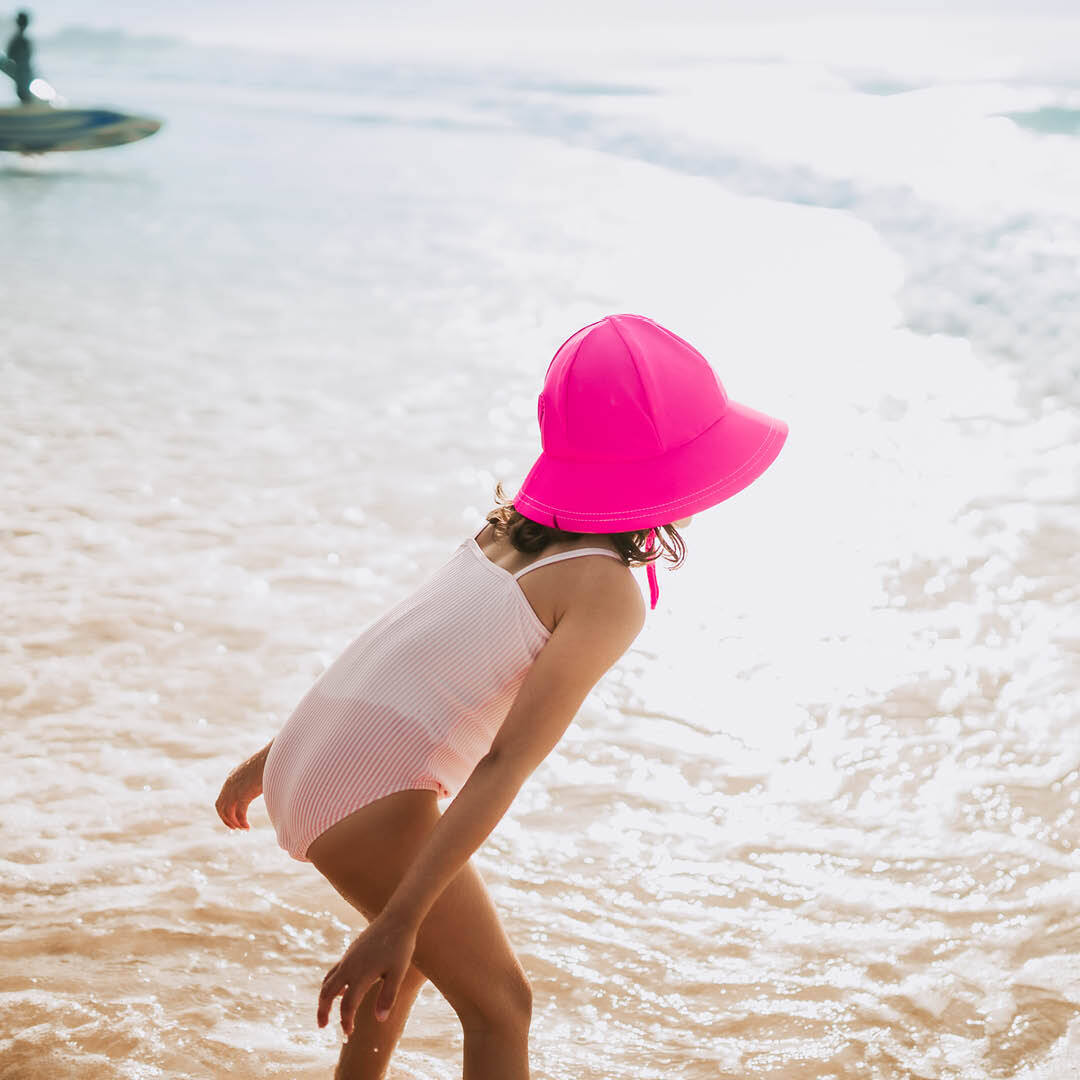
[[605, 591]]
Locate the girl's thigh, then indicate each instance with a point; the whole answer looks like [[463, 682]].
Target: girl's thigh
[[461, 945]]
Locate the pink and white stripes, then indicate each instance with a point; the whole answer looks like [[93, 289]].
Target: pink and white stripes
[[414, 702]]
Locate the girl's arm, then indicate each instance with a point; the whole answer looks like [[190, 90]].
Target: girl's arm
[[606, 615], [242, 786], [587, 641]]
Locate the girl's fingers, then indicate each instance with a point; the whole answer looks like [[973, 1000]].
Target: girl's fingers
[[331, 987], [350, 1002], [232, 803], [387, 994], [224, 805], [334, 983], [232, 811]]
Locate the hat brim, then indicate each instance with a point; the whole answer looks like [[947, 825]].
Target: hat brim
[[602, 497]]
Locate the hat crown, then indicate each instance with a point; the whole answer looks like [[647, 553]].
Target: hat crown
[[626, 389]]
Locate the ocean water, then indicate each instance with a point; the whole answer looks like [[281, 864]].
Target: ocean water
[[259, 376]]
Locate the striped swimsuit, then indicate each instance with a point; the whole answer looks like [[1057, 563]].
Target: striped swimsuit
[[414, 702]]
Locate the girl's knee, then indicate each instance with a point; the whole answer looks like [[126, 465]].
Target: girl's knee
[[520, 990], [506, 1007]]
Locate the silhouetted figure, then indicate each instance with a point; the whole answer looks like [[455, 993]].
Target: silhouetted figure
[[18, 60]]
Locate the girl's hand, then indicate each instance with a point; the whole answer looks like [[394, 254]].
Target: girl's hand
[[383, 951], [243, 785]]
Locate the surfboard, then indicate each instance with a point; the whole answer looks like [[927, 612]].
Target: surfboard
[[42, 129]]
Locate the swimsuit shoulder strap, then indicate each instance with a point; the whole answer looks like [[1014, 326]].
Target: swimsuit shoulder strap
[[566, 555]]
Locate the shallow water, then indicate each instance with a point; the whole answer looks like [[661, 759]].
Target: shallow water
[[260, 375]]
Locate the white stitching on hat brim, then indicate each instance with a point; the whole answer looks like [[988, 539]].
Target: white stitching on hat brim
[[748, 465]]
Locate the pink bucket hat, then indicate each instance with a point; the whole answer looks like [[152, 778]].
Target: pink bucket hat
[[637, 431]]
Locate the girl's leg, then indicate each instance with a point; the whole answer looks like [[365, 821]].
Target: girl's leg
[[461, 945], [366, 1054]]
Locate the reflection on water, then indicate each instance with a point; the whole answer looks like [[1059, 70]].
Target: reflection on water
[[820, 821]]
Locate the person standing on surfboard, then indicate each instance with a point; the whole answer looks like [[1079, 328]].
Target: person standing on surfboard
[[18, 60], [464, 687]]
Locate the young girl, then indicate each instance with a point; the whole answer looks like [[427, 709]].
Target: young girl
[[467, 684]]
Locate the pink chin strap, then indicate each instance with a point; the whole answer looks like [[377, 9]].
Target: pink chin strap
[[654, 589]]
